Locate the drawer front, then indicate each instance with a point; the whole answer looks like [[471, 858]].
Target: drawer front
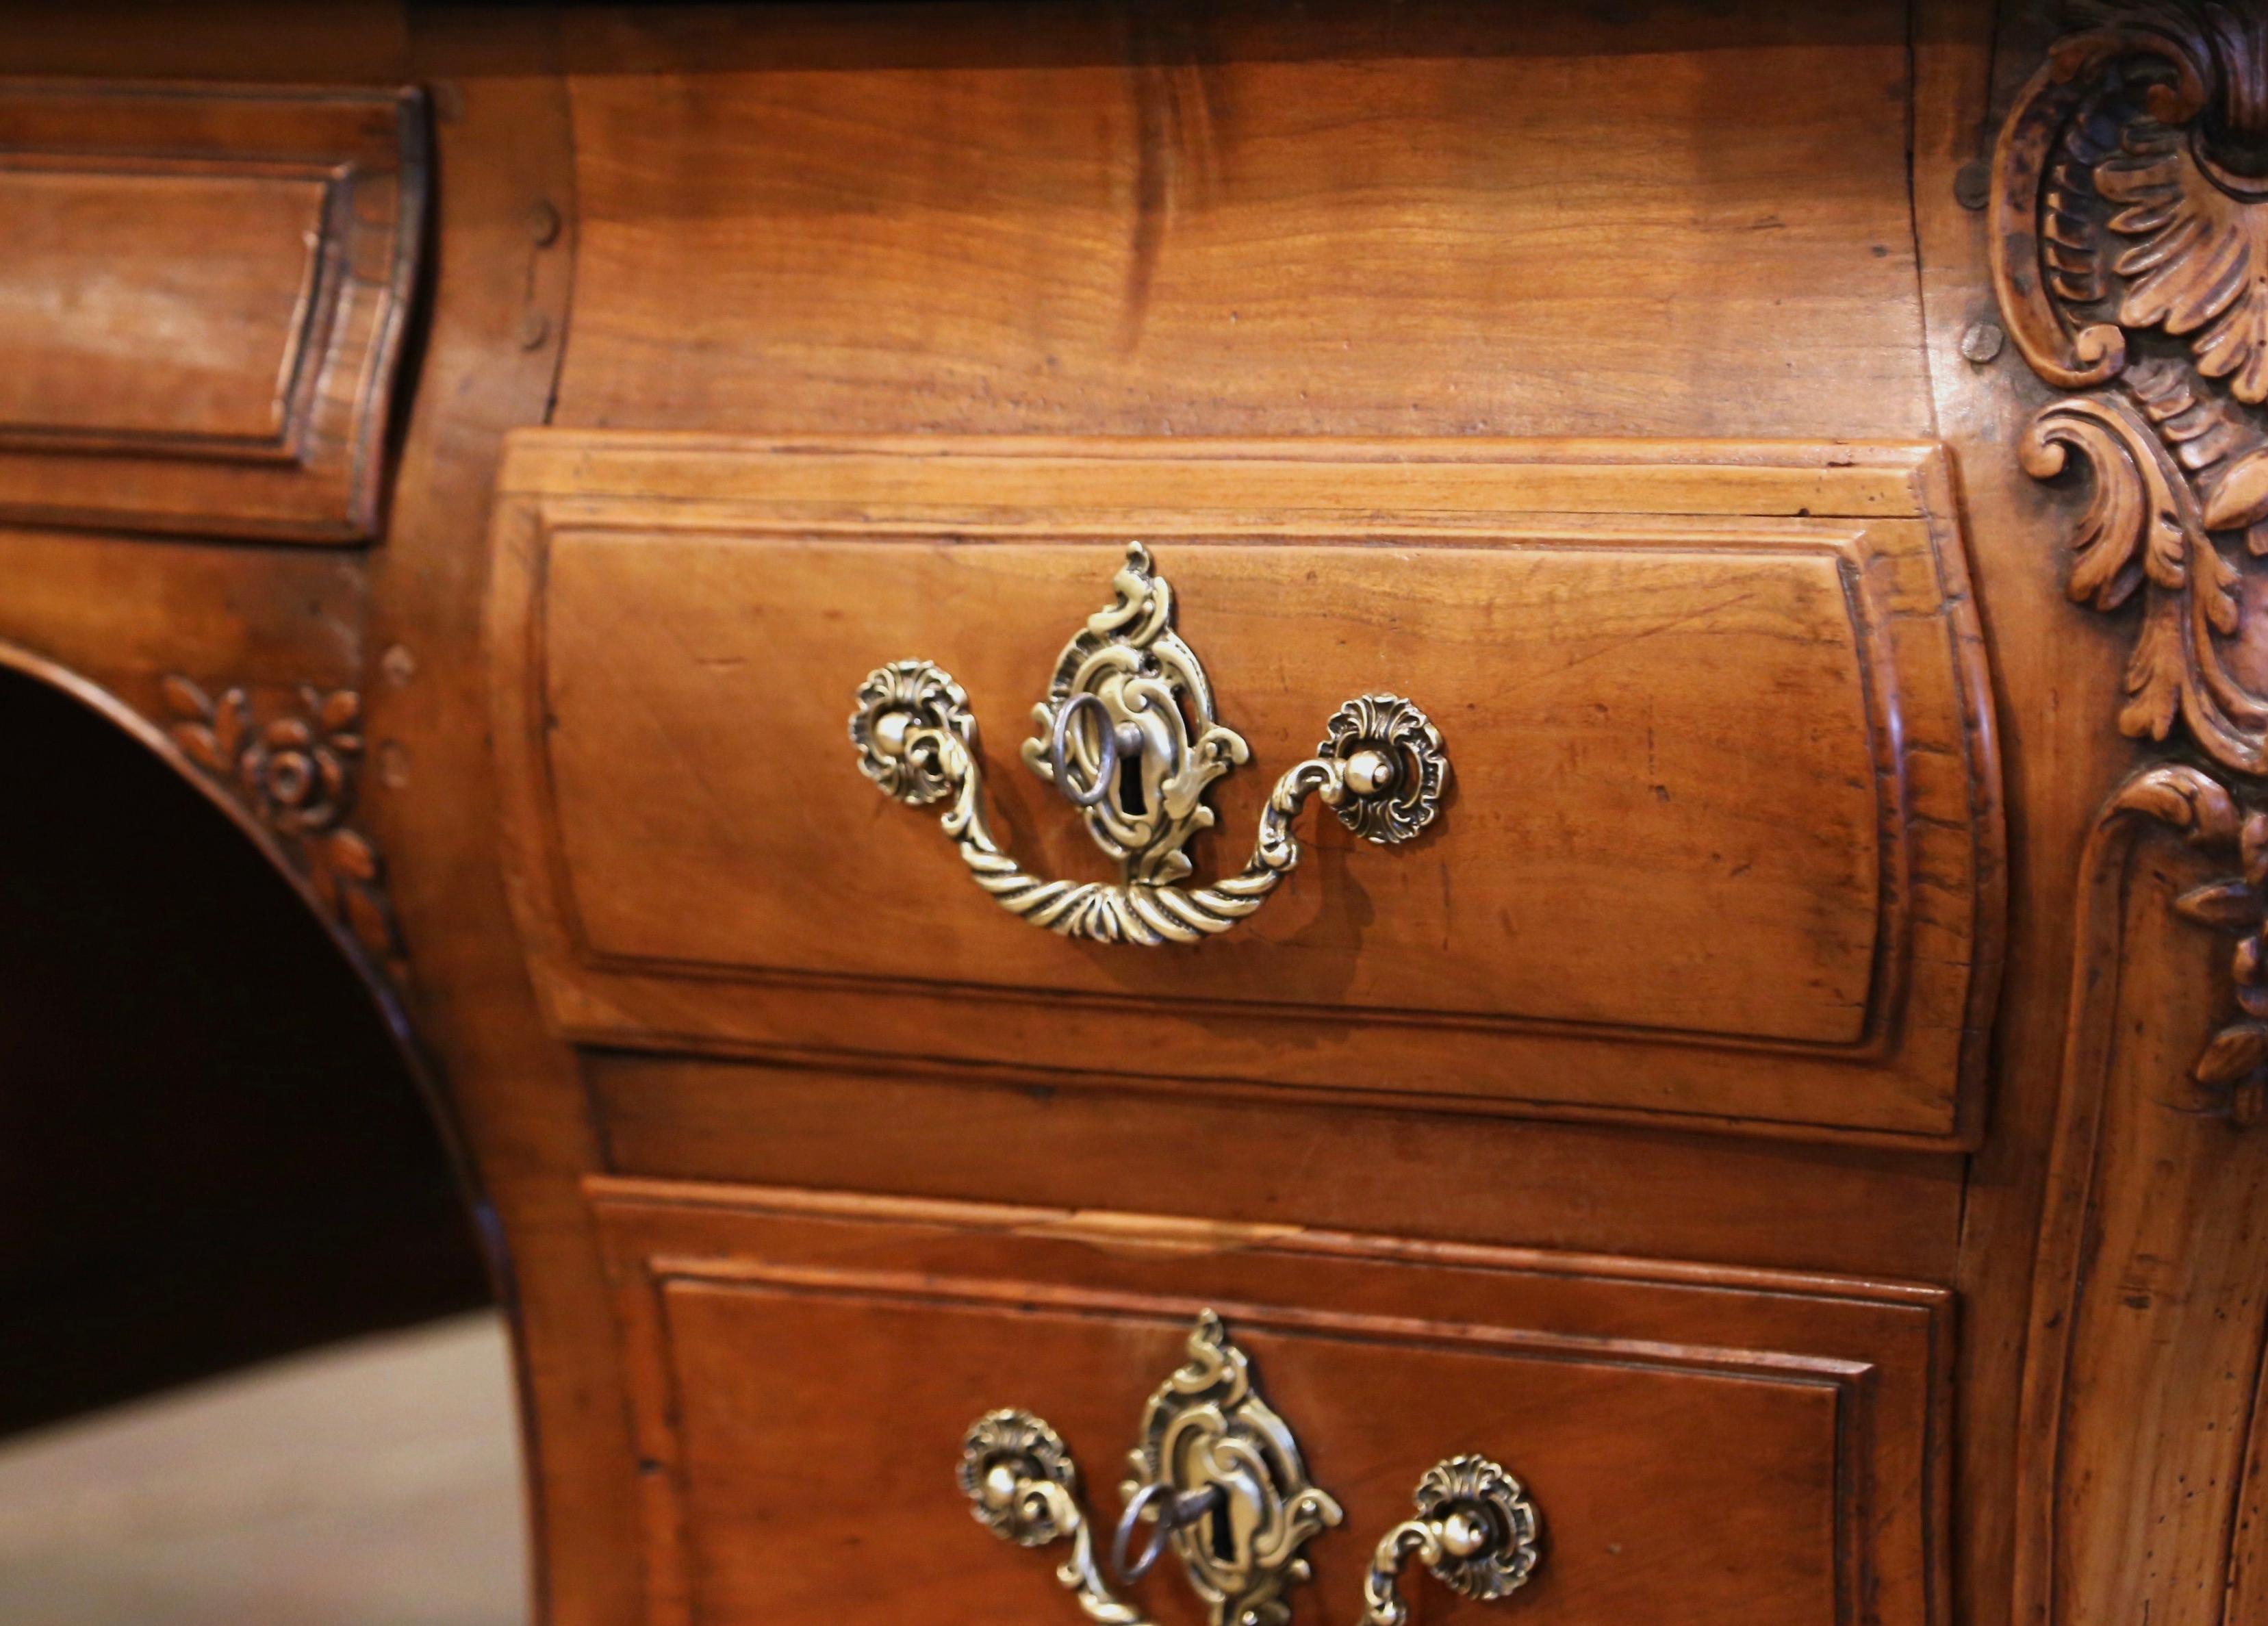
[[1722, 840], [1709, 1446], [202, 304]]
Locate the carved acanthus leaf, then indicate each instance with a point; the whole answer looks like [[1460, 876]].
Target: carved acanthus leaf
[[2215, 440], [2231, 1071], [2130, 257], [2143, 529], [2128, 222], [2199, 266]]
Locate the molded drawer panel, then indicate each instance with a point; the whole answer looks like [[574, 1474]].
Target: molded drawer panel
[[1723, 839], [203, 301], [1714, 1447]]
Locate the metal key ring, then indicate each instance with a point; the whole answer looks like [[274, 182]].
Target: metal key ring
[[1180, 1511], [1106, 771]]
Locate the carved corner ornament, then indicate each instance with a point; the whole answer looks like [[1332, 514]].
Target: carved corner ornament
[[294, 765], [2232, 1070], [2129, 241]]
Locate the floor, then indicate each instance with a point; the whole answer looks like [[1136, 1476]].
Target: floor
[[376, 1484]]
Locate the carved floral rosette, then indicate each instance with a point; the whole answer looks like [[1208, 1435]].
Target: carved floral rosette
[[295, 769], [2130, 254]]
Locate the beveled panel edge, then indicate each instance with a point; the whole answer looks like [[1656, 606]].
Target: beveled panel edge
[[2144, 1243], [1559, 1182], [1937, 485], [607, 1000], [1183, 1234], [321, 481]]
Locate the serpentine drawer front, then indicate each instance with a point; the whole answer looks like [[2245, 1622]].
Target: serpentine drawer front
[[1673, 760], [1585, 1440]]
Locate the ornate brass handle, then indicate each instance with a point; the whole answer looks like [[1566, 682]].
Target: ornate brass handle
[[1023, 1487], [1220, 1478], [1475, 1530], [1128, 735]]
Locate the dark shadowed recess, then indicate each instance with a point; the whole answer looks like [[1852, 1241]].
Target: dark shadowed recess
[[210, 1152]]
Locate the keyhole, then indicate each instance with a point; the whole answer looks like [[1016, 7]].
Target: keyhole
[[1130, 800], [1223, 1539]]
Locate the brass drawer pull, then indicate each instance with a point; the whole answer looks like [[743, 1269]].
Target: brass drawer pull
[[1215, 1469], [1219, 1479], [1475, 1529], [1128, 735]]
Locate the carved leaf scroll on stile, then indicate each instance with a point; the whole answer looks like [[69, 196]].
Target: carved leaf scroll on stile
[[2130, 245]]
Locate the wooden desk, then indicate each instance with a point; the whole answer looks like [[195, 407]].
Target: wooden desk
[[1790, 1101]]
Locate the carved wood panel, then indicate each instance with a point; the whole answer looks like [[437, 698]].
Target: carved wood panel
[[2130, 254]]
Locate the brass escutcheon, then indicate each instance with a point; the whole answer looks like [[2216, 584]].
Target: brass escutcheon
[[1129, 735], [1217, 1476]]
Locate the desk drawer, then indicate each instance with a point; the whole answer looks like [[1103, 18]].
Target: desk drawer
[[1721, 838], [1711, 1446], [202, 303]]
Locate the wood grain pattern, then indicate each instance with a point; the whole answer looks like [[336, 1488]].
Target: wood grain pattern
[[1707, 1445], [1437, 220], [157, 303], [203, 302], [504, 237], [1969, 59], [933, 1130], [95, 605], [1723, 690]]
